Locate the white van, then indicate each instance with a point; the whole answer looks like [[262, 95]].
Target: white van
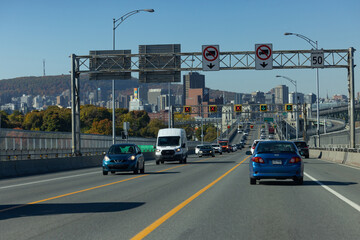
[[171, 145]]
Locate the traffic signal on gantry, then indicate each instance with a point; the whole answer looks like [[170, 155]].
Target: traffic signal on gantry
[[288, 107], [238, 108], [187, 109], [212, 108], [263, 107]]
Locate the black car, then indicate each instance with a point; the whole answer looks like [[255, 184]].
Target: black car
[[303, 148], [206, 150]]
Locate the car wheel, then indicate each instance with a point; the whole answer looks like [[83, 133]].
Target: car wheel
[[307, 156], [136, 170], [112, 172], [162, 162], [185, 160], [252, 181], [299, 181], [105, 172], [142, 171], [157, 162], [221, 153], [213, 155]]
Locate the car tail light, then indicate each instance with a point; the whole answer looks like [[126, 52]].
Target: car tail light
[[257, 160], [253, 147], [295, 160]]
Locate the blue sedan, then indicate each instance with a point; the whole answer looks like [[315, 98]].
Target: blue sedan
[[276, 160], [123, 157]]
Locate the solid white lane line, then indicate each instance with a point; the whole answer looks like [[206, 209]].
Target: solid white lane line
[[48, 180], [346, 200]]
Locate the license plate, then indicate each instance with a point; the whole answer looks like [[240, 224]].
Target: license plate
[[276, 162]]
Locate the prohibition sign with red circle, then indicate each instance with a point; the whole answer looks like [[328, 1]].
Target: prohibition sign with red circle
[[266, 52], [207, 53]]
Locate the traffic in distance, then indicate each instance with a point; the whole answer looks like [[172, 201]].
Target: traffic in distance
[[270, 158]]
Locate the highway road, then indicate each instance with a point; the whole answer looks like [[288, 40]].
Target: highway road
[[208, 198]]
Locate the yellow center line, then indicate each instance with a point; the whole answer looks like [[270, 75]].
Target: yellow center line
[[172, 212], [84, 190], [88, 189]]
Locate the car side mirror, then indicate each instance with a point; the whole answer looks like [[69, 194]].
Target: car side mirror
[[248, 153], [183, 145]]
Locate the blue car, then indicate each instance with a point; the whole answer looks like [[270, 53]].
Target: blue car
[[276, 160], [123, 157]]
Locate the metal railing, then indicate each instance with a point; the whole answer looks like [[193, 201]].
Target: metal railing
[[22, 144]]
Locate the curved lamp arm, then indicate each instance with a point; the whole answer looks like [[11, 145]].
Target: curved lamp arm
[[313, 43]]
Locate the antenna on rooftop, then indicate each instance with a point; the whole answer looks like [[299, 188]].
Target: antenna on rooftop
[[44, 67]]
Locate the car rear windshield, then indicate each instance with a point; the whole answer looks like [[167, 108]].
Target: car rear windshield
[[273, 147], [300, 144], [206, 147]]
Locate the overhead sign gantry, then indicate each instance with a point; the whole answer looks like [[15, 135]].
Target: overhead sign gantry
[[169, 64]]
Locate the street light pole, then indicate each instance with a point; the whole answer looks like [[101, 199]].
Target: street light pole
[[314, 44], [120, 20], [296, 103]]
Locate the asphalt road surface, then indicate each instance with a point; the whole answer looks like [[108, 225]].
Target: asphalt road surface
[[208, 198]]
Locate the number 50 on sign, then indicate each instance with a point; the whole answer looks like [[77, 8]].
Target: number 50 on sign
[[317, 59]]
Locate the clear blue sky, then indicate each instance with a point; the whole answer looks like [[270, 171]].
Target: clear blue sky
[[33, 30]]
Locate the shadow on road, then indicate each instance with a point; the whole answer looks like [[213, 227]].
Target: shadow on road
[[150, 173], [306, 183], [210, 162], [17, 211]]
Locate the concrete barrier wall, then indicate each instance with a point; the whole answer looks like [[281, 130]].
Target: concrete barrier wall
[[342, 157], [19, 168]]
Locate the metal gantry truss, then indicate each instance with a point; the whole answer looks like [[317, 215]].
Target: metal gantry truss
[[240, 60], [283, 59]]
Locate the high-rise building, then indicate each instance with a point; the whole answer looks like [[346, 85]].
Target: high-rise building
[[281, 94], [153, 95], [192, 80], [300, 97], [269, 98], [238, 98], [310, 98], [258, 97]]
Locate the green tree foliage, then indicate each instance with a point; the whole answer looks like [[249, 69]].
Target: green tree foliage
[[53, 120], [137, 120], [4, 120], [119, 119], [16, 119], [209, 131], [103, 127], [33, 120], [152, 129], [90, 114], [211, 134]]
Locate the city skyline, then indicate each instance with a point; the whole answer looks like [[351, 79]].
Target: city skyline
[[50, 33]]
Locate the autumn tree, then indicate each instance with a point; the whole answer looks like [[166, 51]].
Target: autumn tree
[[103, 127], [33, 120], [90, 114]]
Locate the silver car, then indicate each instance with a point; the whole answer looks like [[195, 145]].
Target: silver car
[[217, 148]]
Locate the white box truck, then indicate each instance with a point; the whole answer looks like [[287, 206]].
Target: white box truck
[[171, 145]]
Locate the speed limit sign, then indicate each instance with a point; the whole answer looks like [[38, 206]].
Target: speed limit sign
[[317, 59]]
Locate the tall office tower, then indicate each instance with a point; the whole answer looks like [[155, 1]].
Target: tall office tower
[[281, 94], [153, 95], [192, 80]]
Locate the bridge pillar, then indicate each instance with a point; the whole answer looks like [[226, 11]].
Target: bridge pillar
[[75, 105], [351, 96]]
